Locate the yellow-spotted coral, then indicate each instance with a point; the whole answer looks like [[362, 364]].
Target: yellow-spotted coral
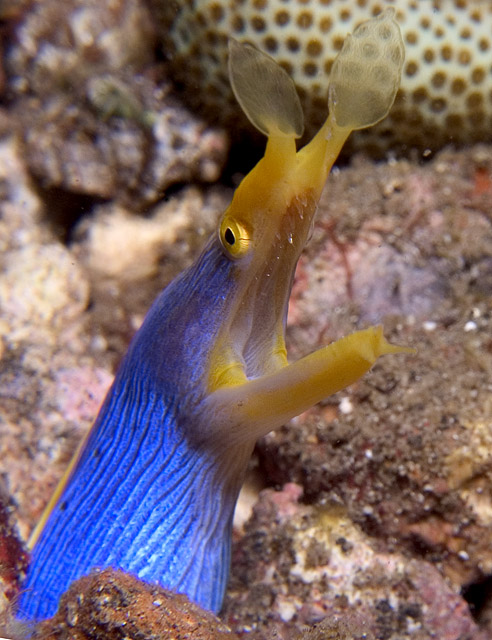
[[446, 89]]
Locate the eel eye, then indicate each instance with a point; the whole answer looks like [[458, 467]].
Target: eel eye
[[235, 238]]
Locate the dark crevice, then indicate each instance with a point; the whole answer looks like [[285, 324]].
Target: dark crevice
[[479, 596]]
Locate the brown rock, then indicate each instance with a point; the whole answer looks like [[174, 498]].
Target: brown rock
[[303, 565], [13, 557], [112, 605], [94, 109]]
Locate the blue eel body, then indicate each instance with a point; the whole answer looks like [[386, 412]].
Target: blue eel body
[[154, 502], [152, 490]]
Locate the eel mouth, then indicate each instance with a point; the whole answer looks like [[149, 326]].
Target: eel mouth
[[258, 316]]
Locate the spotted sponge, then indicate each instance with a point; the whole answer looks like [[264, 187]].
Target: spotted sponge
[[446, 88]]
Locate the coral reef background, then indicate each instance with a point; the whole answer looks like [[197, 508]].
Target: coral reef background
[[375, 517]]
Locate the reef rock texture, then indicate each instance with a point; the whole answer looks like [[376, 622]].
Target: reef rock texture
[[300, 565], [13, 557], [93, 108], [113, 605], [50, 380]]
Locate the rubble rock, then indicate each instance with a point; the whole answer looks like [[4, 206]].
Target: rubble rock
[[112, 604], [94, 110]]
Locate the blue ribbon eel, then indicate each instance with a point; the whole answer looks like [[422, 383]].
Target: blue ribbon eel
[[152, 490]]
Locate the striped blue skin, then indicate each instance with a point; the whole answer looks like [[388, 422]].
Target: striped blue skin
[[149, 494], [154, 489]]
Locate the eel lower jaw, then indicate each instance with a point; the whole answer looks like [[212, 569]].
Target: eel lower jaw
[[245, 412]]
